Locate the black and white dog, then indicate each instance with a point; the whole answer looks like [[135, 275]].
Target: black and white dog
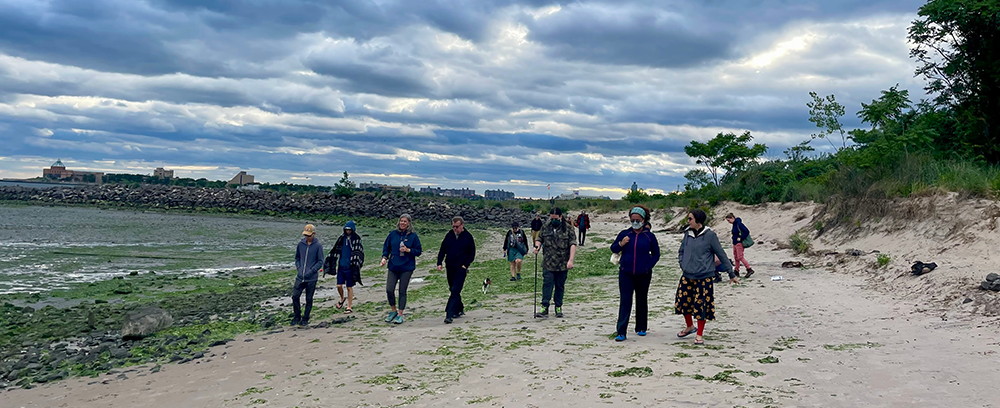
[[486, 285]]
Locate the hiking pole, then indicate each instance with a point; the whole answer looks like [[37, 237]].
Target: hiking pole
[[534, 304]]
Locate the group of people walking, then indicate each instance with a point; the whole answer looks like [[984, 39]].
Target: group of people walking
[[637, 251]]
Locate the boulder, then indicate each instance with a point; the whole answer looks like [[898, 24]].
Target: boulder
[[791, 264], [144, 322]]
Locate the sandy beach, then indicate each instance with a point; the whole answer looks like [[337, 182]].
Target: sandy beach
[[820, 337]]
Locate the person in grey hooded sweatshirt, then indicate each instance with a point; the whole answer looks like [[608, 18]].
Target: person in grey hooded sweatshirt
[[695, 293], [308, 262]]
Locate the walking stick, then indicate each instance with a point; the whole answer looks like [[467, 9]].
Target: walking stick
[[534, 305]]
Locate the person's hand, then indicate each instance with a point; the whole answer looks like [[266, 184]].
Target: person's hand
[[536, 250], [383, 262], [403, 248], [735, 281], [465, 267], [440, 268], [624, 241], [569, 265]]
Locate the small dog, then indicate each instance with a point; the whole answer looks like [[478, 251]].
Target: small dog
[[486, 285]]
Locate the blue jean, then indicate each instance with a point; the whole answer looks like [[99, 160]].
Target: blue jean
[[310, 288], [553, 280]]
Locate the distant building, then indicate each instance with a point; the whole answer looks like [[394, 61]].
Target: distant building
[[371, 185], [161, 173], [249, 187], [498, 195], [398, 189], [449, 192], [576, 194], [241, 179], [58, 172]]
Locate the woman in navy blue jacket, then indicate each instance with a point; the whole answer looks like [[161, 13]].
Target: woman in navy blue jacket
[[400, 252], [639, 253]]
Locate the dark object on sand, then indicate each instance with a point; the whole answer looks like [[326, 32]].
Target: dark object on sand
[[920, 268], [791, 264], [992, 282]]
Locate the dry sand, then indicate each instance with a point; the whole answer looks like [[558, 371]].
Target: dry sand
[[845, 336]]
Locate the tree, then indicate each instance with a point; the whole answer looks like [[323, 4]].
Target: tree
[[893, 131], [957, 46], [636, 196], [725, 152], [344, 187], [798, 152], [697, 179], [825, 112]]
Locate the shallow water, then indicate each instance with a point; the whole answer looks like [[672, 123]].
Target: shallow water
[[46, 248]]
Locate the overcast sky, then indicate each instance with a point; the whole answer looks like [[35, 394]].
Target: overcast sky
[[482, 94]]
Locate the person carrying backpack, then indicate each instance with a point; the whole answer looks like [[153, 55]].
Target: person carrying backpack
[[741, 235]]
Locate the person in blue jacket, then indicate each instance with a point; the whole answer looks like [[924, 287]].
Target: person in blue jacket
[[740, 233], [639, 253], [308, 262], [400, 252]]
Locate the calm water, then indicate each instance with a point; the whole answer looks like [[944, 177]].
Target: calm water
[[45, 248], [34, 185]]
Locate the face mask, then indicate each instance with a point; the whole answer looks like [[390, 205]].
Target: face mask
[[556, 222], [636, 225]]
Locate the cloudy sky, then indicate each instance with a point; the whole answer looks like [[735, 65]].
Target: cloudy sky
[[483, 94]]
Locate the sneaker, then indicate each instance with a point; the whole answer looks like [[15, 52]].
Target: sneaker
[[460, 314], [513, 279], [621, 337], [295, 321], [543, 313], [304, 323], [398, 319], [518, 276], [559, 311], [448, 320], [641, 332], [390, 317], [749, 272]]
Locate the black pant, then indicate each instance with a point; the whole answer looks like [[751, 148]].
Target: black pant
[[627, 284], [456, 281], [583, 236], [557, 280], [403, 278], [310, 288]]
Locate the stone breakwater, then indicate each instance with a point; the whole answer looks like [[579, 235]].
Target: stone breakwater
[[265, 201]]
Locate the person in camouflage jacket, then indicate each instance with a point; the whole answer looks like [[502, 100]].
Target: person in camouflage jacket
[[558, 244]]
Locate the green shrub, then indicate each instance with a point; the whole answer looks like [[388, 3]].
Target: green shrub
[[799, 243], [528, 207], [668, 216], [883, 260], [818, 226]]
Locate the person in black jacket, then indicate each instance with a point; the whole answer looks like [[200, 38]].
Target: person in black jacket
[[639, 254], [458, 250], [536, 227]]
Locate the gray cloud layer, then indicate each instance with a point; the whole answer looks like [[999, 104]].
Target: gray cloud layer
[[448, 92]]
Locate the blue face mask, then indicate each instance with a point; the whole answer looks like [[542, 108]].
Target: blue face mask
[[555, 222]]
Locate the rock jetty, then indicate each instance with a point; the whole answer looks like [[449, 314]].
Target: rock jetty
[[264, 202]]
